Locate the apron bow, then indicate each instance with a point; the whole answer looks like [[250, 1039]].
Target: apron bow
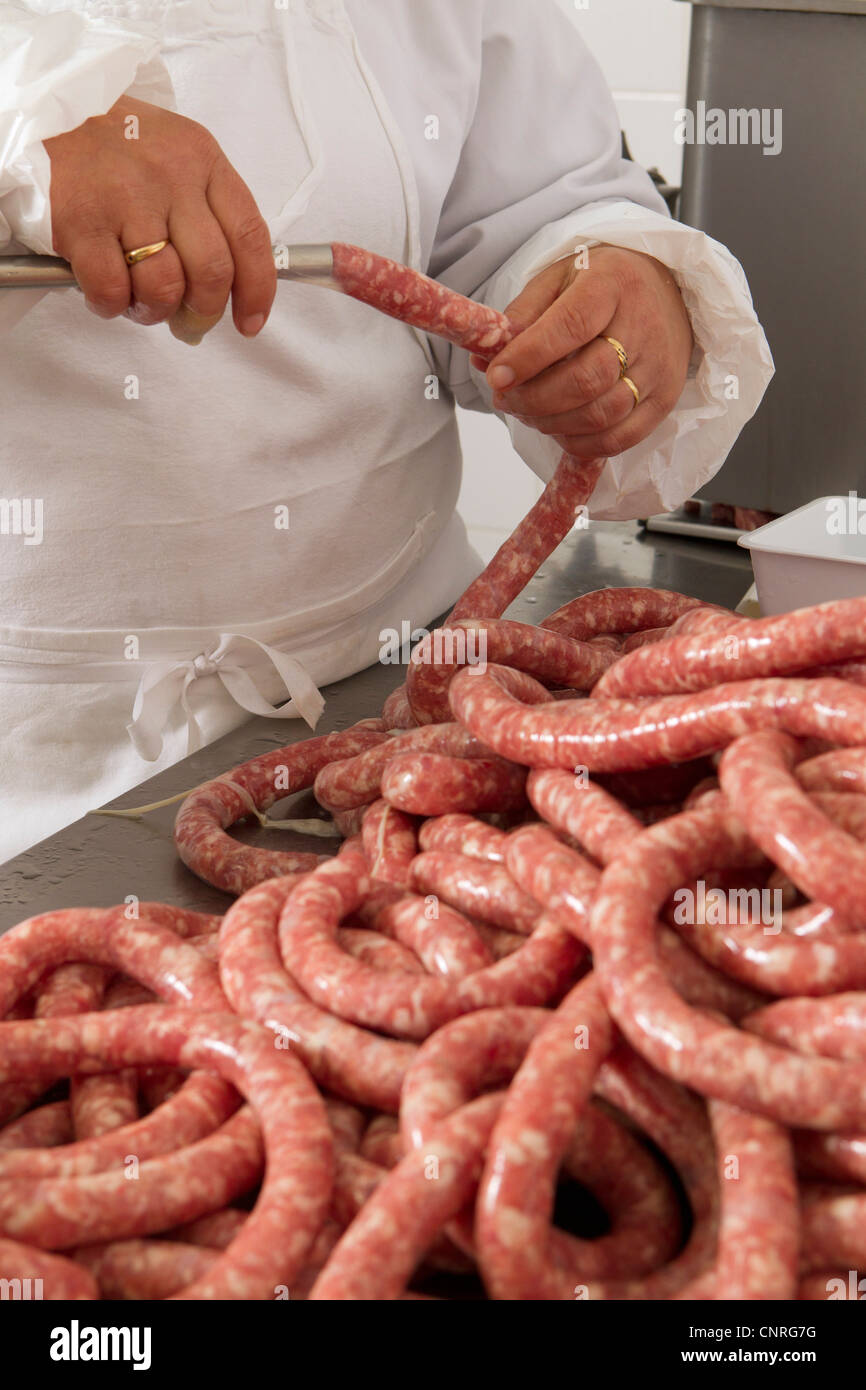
[[235, 659]]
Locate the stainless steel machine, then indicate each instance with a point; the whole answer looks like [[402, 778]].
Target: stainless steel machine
[[796, 219]]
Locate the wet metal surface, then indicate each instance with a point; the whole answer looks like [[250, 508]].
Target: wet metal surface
[[99, 860]]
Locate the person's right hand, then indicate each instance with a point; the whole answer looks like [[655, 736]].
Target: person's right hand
[[110, 194]]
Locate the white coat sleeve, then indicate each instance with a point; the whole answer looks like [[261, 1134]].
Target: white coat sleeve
[[541, 173], [56, 70]]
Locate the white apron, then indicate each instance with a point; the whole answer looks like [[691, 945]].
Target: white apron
[[168, 599]]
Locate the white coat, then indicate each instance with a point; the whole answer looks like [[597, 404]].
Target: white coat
[[225, 527]]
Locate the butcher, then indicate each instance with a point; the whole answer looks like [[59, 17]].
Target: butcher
[[215, 497]]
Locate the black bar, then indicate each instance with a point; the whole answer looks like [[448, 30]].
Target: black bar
[[240, 1343]]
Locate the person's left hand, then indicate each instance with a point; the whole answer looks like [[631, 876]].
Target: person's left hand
[[561, 377]]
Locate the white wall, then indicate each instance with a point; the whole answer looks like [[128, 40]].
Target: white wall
[[642, 46]]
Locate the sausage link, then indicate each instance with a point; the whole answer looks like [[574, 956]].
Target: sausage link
[[568, 884], [635, 1191], [324, 1244], [397, 712], [378, 952], [401, 1219], [158, 1084], [473, 642], [583, 810], [644, 639], [834, 1227], [413, 298], [47, 1127], [102, 1103], [402, 1005], [462, 834], [842, 769], [540, 972], [812, 919], [676, 1121], [759, 1227], [355, 1180], [56, 1278], [834, 1157], [382, 1143], [619, 611], [719, 1061], [442, 938], [478, 888], [292, 1204], [58, 1213], [471, 1054], [350, 1061], [307, 930], [431, 784], [685, 1044], [834, 1027], [144, 1269], [825, 862], [483, 1050], [499, 943], [215, 1231], [536, 537], [758, 647], [152, 954], [783, 964], [78, 987], [355, 781], [72, 988], [628, 735], [547, 1096], [207, 813], [707, 618], [202, 1104], [390, 843]]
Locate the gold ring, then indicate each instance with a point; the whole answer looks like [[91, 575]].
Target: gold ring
[[631, 386], [621, 354], [141, 253]]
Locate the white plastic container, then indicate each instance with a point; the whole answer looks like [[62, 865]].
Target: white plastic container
[[812, 555]]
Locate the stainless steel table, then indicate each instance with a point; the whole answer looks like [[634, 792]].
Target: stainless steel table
[[99, 861]]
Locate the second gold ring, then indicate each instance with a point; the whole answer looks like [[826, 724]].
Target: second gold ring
[[620, 352]]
